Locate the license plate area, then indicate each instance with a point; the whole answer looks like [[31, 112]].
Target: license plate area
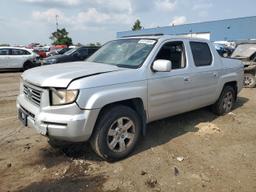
[[23, 117]]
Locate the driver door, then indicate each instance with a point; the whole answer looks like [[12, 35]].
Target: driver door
[[168, 92], [17, 58]]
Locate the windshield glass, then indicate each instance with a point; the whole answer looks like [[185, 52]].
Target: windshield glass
[[244, 50], [124, 52], [70, 52]]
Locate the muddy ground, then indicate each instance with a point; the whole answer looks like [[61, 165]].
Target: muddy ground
[[196, 151]]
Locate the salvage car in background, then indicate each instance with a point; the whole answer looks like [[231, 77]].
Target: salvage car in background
[[60, 51], [223, 50], [126, 84], [247, 54], [77, 54], [17, 58], [41, 52]]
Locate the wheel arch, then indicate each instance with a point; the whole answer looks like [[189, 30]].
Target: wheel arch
[[135, 103], [232, 84], [26, 62]]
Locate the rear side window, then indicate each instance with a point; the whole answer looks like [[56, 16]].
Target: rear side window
[[4, 52], [83, 51], [201, 53], [19, 52], [92, 50]]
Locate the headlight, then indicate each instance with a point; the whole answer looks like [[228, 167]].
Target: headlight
[[50, 61], [62, 96]]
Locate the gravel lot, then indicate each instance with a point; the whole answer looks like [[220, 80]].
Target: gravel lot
[[196, 151]]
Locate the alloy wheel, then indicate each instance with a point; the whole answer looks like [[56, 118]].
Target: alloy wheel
[[121, 134], [228, 102]]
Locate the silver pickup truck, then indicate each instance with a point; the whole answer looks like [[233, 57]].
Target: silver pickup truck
[[111, 97]]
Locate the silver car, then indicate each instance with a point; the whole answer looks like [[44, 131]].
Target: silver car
[[17, 58], [110, 98]]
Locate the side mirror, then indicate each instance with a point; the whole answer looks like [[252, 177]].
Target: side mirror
[[161, 65]]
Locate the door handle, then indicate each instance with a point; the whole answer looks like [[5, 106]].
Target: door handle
[[186, 79], [215, 74]]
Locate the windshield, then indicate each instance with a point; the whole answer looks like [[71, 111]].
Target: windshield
[[244, 50], [70, 51], [124, 52]]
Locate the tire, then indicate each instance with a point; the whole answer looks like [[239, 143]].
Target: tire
[[225, 102], [116, 133], [27, 65], [249, 80]]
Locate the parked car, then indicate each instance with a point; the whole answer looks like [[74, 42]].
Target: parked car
[[247, 54], [17, 58], [77, 54], [110, 98], [32, 45], [40, 52], [59, 51], [54, 48], [223, 50]]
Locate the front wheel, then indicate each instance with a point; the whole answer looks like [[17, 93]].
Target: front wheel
[[249, 80], [225, 102], [117, 133]]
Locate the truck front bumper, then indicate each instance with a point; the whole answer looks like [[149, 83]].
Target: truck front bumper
[[67, 122]]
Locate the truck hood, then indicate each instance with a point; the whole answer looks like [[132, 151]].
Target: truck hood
[[60, 75]]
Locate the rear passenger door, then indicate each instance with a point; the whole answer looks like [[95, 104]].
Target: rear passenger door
[[4, 58], [204, 75], [18, 57]]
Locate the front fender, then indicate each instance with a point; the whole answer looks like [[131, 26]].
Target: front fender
[[97, 98]]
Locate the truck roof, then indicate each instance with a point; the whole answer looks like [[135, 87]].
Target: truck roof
[[163, 37]]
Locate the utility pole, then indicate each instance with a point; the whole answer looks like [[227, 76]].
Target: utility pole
[[57, 24]]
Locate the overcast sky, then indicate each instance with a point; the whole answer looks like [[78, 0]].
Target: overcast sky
[[26, 21]]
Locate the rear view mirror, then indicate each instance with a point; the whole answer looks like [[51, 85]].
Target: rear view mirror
[[161, 65]]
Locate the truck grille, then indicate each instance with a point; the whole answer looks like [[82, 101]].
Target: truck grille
[[32, 94]]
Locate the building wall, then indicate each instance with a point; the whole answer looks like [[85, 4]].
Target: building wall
[[228, 29]]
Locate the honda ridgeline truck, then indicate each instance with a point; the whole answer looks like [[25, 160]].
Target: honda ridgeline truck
[[111, 97]]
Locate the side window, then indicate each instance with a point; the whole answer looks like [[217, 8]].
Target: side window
[[4, 51], [92, 50], [83, 51], [16, 52], [20, 52], [201, 53], [174, 52], [25, 52]]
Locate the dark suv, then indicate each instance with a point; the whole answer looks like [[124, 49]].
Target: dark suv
[[76, 54]]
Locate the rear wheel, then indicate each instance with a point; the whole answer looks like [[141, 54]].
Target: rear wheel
[[27, 65], [225, 102], [249, 80], [117, 133]]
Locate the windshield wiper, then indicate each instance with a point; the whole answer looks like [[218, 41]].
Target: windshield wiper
[[127, 66]]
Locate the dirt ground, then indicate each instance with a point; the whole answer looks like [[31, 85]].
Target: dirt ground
[[196, 151]]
